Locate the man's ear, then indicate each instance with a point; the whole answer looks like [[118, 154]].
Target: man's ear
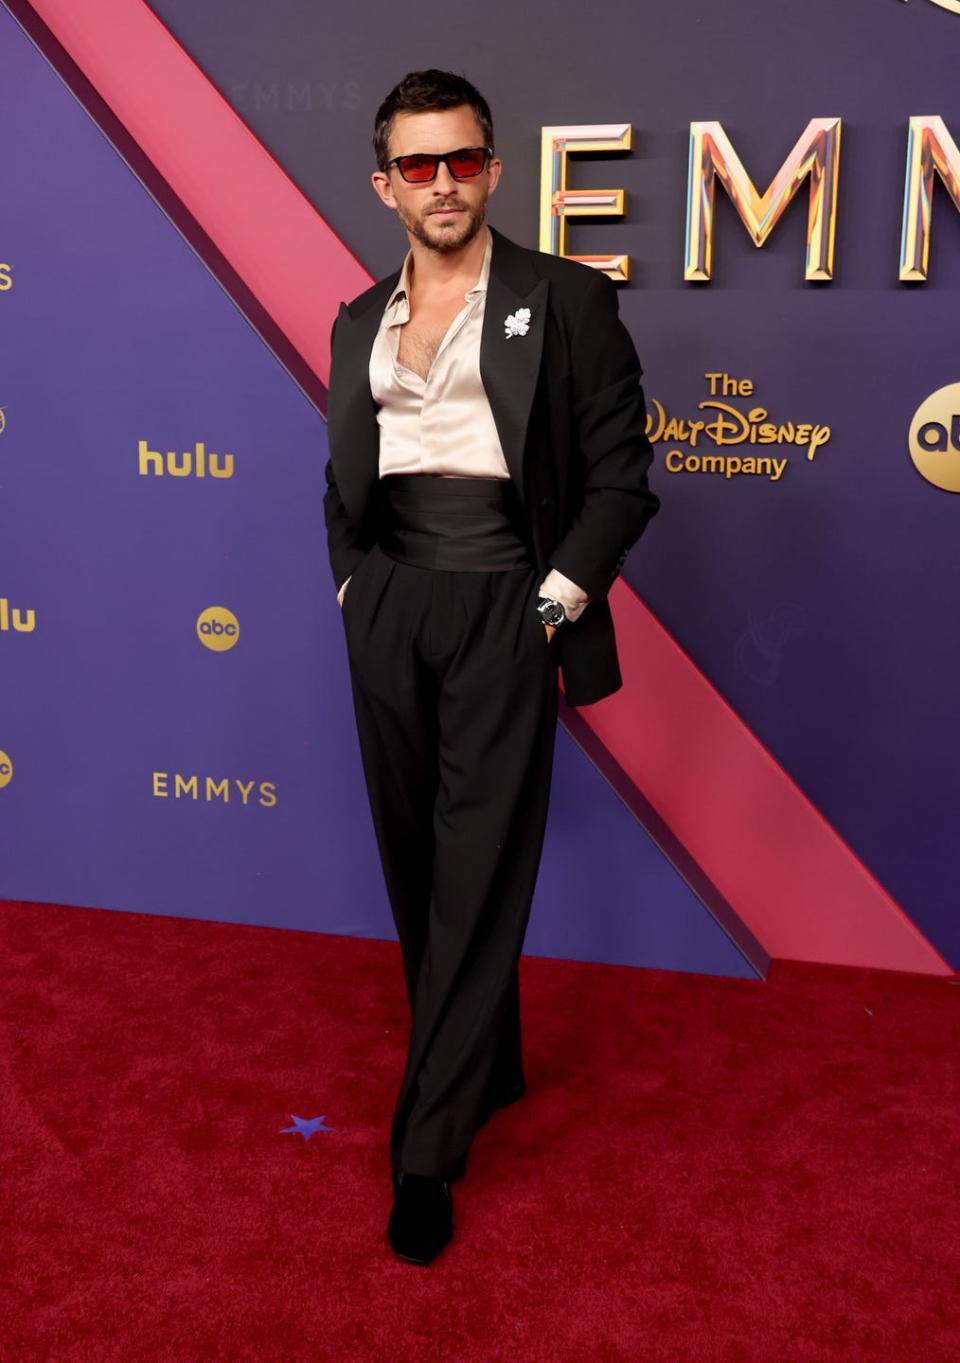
[[380, 184]]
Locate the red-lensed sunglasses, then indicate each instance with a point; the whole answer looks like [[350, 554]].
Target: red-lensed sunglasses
[[419, 168]]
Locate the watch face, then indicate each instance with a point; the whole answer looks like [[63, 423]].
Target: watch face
[[551, 612]]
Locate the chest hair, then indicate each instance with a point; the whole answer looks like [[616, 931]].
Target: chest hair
[[422, 335]]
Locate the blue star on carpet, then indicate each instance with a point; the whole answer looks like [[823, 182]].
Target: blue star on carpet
[[307, 1126]]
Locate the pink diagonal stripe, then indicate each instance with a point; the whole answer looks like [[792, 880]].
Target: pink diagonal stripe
[[264, 225], [785, 870]]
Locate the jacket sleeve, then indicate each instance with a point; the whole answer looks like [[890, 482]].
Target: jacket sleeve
[[343, 547], [610, 416]]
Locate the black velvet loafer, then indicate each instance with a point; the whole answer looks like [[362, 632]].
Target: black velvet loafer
[[421, 1220]]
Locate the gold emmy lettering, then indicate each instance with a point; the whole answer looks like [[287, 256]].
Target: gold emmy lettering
[[195, 463], [930, 150], [214, 788], [558, 203], [712, 157]]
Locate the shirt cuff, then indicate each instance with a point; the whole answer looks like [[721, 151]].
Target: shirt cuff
[[572, 598]]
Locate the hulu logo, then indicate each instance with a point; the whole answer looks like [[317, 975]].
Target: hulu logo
[[195, 463], [12, 617]]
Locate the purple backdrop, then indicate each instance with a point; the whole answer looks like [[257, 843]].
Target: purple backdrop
[[816, 605]]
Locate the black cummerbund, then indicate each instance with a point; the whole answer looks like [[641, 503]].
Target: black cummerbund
[[434, 521]]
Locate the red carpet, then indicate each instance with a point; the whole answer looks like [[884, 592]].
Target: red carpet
[[703, 1170]]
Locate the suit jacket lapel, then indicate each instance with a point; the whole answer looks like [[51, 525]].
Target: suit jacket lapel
[[353, 435], [509, 366]]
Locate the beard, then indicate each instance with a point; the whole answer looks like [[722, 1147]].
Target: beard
[[445, 235]]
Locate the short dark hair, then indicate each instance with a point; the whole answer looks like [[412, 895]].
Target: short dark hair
[[423, 92]]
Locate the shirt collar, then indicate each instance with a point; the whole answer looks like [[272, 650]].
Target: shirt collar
[[400, 292]]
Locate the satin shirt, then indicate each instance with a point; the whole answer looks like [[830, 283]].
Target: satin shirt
[[443, 424]]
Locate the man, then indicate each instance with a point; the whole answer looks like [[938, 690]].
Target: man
[[487, 478]]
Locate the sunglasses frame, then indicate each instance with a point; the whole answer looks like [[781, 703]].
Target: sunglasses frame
[[445, 158]]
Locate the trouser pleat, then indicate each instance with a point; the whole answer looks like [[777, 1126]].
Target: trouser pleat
[[455, 694]]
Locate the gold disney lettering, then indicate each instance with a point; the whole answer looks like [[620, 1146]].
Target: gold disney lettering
[[733, 427]]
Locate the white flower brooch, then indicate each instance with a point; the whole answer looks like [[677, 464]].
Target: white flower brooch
[[518, 322]]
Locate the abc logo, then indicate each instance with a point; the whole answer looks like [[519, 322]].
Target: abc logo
[[218, 628], [6, 770], [935, 438]]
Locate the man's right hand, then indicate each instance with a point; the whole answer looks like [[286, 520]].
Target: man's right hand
[[342, 592]]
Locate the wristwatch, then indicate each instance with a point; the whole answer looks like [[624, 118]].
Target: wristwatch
[[551, 612]]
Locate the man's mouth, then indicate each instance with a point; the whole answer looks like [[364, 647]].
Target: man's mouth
[[445, 212]]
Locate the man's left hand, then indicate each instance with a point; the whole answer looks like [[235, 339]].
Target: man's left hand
[[551, 630]]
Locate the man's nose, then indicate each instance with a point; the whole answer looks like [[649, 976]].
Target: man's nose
[[444, 182]]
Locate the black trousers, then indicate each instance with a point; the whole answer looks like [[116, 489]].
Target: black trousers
[[455, 693]]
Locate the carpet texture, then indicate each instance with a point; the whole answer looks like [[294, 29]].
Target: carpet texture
[[703, 1170]]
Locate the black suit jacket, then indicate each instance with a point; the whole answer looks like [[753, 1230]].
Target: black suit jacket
[[570, 413]]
